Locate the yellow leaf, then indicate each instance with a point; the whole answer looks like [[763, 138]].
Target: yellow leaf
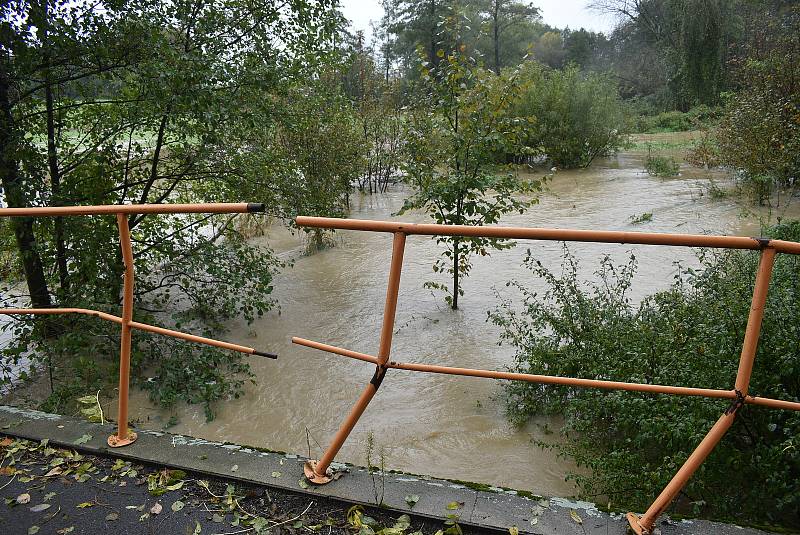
[[84, 505], [354, 516], [513, 530], [574, 514]]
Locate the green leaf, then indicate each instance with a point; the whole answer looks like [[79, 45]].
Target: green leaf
[[83, 439], [411, 500], [177, 506]]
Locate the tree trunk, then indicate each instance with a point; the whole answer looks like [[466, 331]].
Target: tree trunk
[[456, 251], [52, 153], [496, 17], [433, 58], [55, 183], [15, 197]]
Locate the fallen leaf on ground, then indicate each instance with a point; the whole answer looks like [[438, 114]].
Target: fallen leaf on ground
[[7, 471], [454, 505], [575, 516], [5, 442], [412, 500], [39, 508], [276, 474], [84, 505], [22, 499], [53, 472], [156, 509], [49, 496], [64, 531], [513, 530], [112, 517], [33, 529], [234, 468], [83, 440], [177, 506]]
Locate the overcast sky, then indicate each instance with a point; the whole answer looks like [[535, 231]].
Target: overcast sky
[[559, 13]]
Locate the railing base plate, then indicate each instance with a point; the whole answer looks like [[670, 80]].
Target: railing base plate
[[309, 468], [637, 528], [115, 442]]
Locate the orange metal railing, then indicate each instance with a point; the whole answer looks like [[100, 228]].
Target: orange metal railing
[[124, 435], [318, 471]]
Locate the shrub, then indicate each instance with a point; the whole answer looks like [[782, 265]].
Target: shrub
[[631, 444], [678, 121], [578, 116], [662, 166]]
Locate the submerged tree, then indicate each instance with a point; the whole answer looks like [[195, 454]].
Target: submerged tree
[[149, 102], [453, 141]]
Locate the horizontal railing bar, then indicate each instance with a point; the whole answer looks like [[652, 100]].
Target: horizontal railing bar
[[141, 327], [212, 208], [553, 380], [595, 383], [773, 403], [567, 381], [49, 311], [524, 233], [333, 349]]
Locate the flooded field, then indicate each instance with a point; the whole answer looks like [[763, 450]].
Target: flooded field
[[441, 425]]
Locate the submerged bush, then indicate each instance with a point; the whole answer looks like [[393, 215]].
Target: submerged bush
[[631, 444], [578, 116], [662, 166]]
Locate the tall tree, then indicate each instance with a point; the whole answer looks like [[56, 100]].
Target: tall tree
[[505, 15], [453, 141], [420, 26]]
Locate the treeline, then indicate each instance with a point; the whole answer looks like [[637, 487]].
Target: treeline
[[672, 54]]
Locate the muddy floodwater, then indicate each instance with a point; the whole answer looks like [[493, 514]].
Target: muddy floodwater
[[446, 426]]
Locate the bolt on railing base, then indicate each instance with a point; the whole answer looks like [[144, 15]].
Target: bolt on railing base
[[116, 442], [636, 526], [310, 470]]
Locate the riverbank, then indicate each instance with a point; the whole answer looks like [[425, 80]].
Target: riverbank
[[73, 479]]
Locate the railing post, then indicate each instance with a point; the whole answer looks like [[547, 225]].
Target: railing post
[[317, 471], [124, 435], [644, 525]]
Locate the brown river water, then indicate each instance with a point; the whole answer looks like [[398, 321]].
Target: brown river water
[[446, 426]]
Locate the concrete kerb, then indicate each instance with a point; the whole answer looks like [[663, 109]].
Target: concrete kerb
[[490, 509]]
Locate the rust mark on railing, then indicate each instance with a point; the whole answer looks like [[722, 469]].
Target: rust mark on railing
[[124, 435], [319, 472]]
